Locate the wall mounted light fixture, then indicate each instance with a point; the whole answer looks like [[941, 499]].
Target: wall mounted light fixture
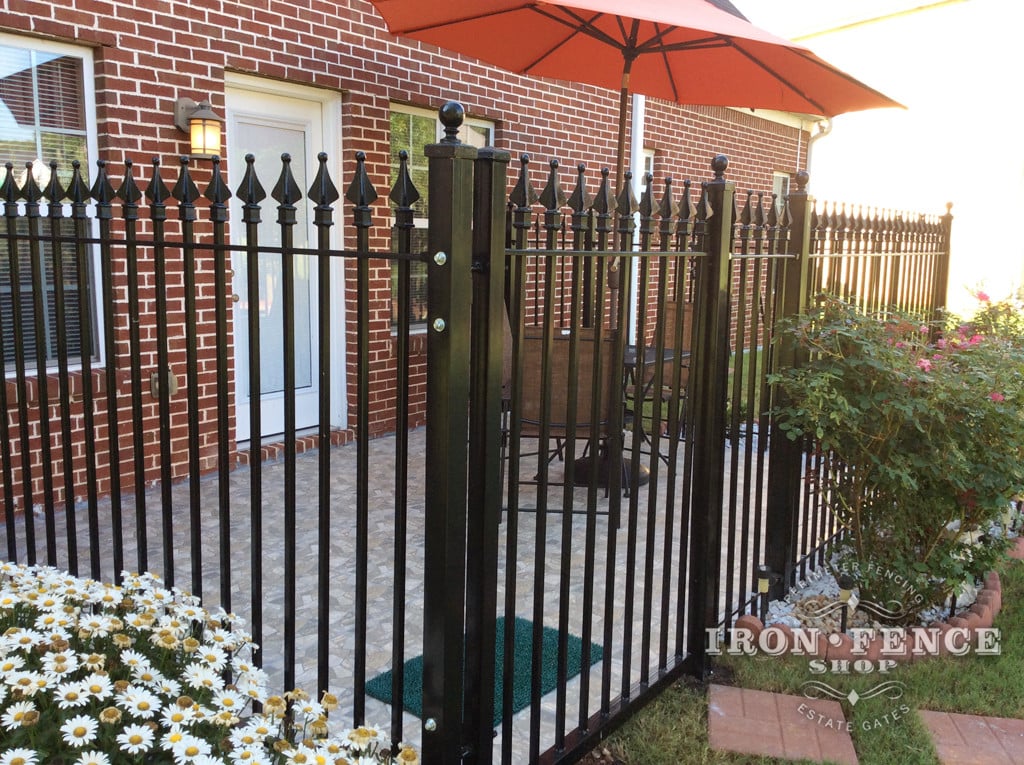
[[201, 123]]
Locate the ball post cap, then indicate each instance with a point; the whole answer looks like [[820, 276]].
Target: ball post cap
[[451, 114]]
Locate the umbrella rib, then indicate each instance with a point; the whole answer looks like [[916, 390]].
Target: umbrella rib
[[779, 77], [581, 27], [578, 24], [664, 57], [451, 22]]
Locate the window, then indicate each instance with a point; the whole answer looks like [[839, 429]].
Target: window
[[780, 187], [411, 130], [46, 103]]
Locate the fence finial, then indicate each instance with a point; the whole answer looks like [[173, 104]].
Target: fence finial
[[30, 192], [802, 179], [626, 203], [404, 193], [552, 197], [719, 164], [580, 201], [9, 189], [129, 192], [102, 192], [523, 195], [217, 192], [451, 115], [323, 192], [361, 194], [157, 191], [54, 192]]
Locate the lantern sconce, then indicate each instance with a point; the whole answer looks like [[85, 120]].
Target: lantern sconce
[[763, 581], [202, 124], [846, 585]]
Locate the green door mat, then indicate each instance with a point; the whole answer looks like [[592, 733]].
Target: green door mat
[[380, 686]]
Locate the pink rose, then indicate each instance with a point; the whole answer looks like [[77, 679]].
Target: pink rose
[[924, 364], [983, 297], [997, 396]]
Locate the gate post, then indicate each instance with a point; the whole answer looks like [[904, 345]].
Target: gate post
[[785, 457], [486, 369], [711, 382], [448, 349]]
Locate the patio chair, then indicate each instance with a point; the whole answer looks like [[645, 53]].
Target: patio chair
[[649, 397], [558, 428]]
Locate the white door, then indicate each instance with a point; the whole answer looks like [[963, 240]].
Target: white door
[[268, 125]]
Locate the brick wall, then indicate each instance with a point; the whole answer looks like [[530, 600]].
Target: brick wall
[[150, 52]]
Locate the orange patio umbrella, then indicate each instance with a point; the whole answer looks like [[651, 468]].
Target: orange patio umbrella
[[686, 51]]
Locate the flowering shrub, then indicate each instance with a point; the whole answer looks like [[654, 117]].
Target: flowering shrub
[[96, 674], [925, 425]]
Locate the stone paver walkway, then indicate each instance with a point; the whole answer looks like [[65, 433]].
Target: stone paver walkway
[[777, 725], [974, 740]]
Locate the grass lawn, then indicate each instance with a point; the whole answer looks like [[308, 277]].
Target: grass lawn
[[673, 728]]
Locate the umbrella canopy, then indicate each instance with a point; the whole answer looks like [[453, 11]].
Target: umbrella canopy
[[686, 51]]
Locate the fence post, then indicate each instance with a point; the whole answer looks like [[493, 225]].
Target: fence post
[[942, 271], [785, 457], [448, 345], [712, 368], [485, 450]]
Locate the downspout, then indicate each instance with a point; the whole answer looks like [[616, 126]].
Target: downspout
[[824, 128], [636, 166]]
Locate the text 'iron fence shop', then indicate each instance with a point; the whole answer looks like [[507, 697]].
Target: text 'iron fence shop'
[[606, 496]]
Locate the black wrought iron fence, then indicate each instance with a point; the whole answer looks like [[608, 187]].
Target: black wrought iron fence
[[612, 485], [120, 445]]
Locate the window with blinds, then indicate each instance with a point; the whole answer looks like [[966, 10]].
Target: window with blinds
[[42, 119]]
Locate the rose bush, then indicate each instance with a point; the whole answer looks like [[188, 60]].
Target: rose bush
[[924, 427], [97, 674]]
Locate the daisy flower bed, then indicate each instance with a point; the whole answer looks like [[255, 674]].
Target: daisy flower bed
[[102, 674]]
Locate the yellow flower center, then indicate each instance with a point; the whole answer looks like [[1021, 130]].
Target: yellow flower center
[[135, 739], [79, 731], [192, 751], [144, 706]]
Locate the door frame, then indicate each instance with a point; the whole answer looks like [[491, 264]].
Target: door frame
[[330, 108]]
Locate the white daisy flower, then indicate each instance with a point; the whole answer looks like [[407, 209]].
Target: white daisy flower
[[133, 659], [10, 664], [189, 748], [15, 714], [28, 683], [249, 755], [135, 739], [200, 676], [98, 686], [175, 716], [79, 730], [71, 695], [214, 657], [140, 702], [92, 758], [19, 757]]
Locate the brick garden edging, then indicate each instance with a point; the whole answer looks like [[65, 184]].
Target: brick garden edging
[[839, 646]]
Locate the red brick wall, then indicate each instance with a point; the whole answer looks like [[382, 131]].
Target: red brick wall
[[150, 52]]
